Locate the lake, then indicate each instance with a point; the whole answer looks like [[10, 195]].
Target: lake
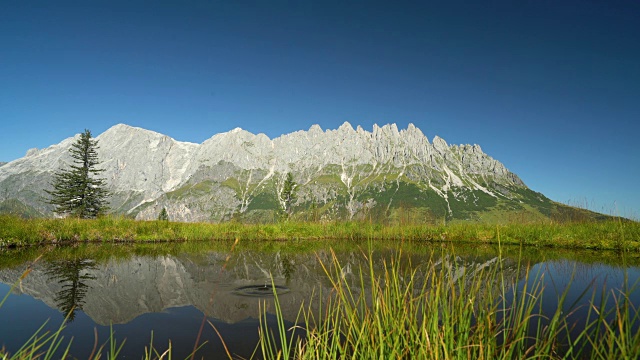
[[182, 292]]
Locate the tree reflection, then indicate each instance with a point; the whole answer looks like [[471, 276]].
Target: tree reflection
[[288, 267], [72, 274]]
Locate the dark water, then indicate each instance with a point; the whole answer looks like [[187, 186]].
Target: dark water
[[180, 295]]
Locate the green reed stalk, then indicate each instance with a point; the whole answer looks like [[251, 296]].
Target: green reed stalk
[[447, 312], [270, 347]]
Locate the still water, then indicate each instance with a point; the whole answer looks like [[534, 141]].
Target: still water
[[179, 293]]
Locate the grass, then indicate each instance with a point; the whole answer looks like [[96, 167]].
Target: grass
[[404, 313], [605, 235]]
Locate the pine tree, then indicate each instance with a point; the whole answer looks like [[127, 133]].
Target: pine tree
[[163, 216], [76, 191], [288, 195]]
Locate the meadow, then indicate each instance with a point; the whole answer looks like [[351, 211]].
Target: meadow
[[615, 234]]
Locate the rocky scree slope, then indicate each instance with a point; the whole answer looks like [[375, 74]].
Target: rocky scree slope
[[347, 173]]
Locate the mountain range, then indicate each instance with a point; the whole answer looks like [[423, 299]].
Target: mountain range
[[385, 174]]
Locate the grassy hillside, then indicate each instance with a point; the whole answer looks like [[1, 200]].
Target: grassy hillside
[[17, 208], [389, 198]]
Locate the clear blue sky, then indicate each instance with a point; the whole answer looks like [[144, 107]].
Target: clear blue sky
[[549, 88]]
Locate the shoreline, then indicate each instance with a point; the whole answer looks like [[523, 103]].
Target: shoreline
[[615, 235]]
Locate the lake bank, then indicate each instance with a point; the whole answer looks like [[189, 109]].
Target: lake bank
[[620, 235]]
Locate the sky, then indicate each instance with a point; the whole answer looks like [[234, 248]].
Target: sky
[[549, 88]]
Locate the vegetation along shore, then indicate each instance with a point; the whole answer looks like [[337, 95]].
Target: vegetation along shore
[[618, 234]]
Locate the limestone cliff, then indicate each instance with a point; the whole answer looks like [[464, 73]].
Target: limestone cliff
[[344, 173]]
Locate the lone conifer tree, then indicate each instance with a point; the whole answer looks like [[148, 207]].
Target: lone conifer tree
[[288, 195], [164, 216], [76, 191]]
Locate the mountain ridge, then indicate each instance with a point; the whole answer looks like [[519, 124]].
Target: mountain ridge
[[342, 173]]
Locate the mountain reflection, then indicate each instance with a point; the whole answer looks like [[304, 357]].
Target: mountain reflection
[[116, 291]]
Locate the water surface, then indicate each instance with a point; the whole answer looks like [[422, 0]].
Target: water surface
[[180, 293]]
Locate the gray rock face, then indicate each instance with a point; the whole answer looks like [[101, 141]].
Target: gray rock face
[[143, 161], [238, 172]]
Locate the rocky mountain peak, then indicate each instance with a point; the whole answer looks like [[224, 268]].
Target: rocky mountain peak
[[346, 127], [123, 132], [440, 144], [413, 132], [315, 129], [237, 172], [122, 127]]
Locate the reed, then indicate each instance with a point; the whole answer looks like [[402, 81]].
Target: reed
[[437, 314]]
